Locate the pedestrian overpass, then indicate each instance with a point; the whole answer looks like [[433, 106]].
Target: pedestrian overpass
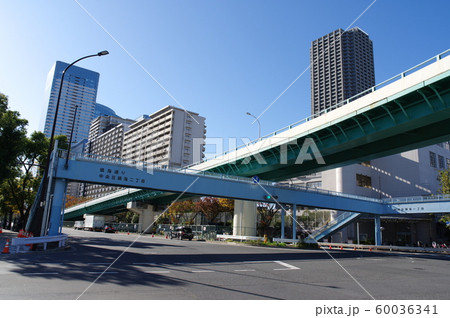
[[408, 111], [121, 172]]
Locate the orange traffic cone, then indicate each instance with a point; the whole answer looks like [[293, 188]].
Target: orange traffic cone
[[1, 230], [354, 248], [6, 249], [370, 249], [128, 233], [329, 246], [342, 247]]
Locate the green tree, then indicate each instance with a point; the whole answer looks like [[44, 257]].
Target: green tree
[[182, 212], [266, 213], [209, 207], [12, 137], [444, 180], [22, 184]]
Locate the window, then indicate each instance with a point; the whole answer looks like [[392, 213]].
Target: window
[[432, 159], [441, 162], [363, 181], [448, 163], [317, 184]]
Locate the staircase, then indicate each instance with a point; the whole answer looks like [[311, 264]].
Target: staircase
[[332, 226]]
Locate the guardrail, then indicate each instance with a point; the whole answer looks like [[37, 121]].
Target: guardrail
[[389, 248], [16, 243]]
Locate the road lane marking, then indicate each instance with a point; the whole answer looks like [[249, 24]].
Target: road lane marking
[[144, 263], [99, 263], [289, 266], [203, 271], [244, 270], [47, 273], [157, 272]]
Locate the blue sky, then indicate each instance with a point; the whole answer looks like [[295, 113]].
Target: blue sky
[[218, 58]]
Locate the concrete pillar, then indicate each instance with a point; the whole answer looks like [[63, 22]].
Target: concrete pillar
[[294, 221], [147, 215], [57, 207], [244, 221], [283, 214], [377, 230]]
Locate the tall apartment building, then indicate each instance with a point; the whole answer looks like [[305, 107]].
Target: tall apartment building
[[341, 67], [79, 89], [105, 139], [165, 138]]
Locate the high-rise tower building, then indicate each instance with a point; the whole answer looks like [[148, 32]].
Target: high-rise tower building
[[341, 67], [79, 89]]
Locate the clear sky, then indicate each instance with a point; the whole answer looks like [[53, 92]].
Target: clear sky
[[219, 58]]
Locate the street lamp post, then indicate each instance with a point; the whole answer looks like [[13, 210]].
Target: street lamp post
[[35, 226], [71, 136], [259, 124]]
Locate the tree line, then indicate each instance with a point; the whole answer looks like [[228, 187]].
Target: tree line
[[22, 159]]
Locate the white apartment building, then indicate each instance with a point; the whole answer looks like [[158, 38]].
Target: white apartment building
[[165, 138], [411, 173], [106, 139]]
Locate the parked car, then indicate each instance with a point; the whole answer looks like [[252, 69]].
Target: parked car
[[182, 232], [109, 229]]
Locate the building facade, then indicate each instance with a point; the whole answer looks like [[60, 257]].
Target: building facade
[[341, 66], [165, 138], [79, 90], [105, 139]]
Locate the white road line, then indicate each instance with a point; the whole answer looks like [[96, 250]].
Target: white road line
[[203, 271], [99, 263], [244, 270], [144, 263], [103, 273], [47, 273], [157, 272], [289, 266]]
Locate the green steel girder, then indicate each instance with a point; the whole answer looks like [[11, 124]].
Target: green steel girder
[[426, 99], [438, 95], [401, 107], [389, 113], [355, 119]]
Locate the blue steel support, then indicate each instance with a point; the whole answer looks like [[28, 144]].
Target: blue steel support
[[294, 221], [283, 214], [57, 202], [377, 230]]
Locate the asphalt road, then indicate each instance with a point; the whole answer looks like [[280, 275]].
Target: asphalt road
[[158, 268]]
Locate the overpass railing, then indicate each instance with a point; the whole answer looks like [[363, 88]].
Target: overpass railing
[[428, 198], [345, 102]]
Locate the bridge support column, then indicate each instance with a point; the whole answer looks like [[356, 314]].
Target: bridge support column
[[294, 221], [283, 214], [57, 206], [146, 215], [377, 230], [244, 221]]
